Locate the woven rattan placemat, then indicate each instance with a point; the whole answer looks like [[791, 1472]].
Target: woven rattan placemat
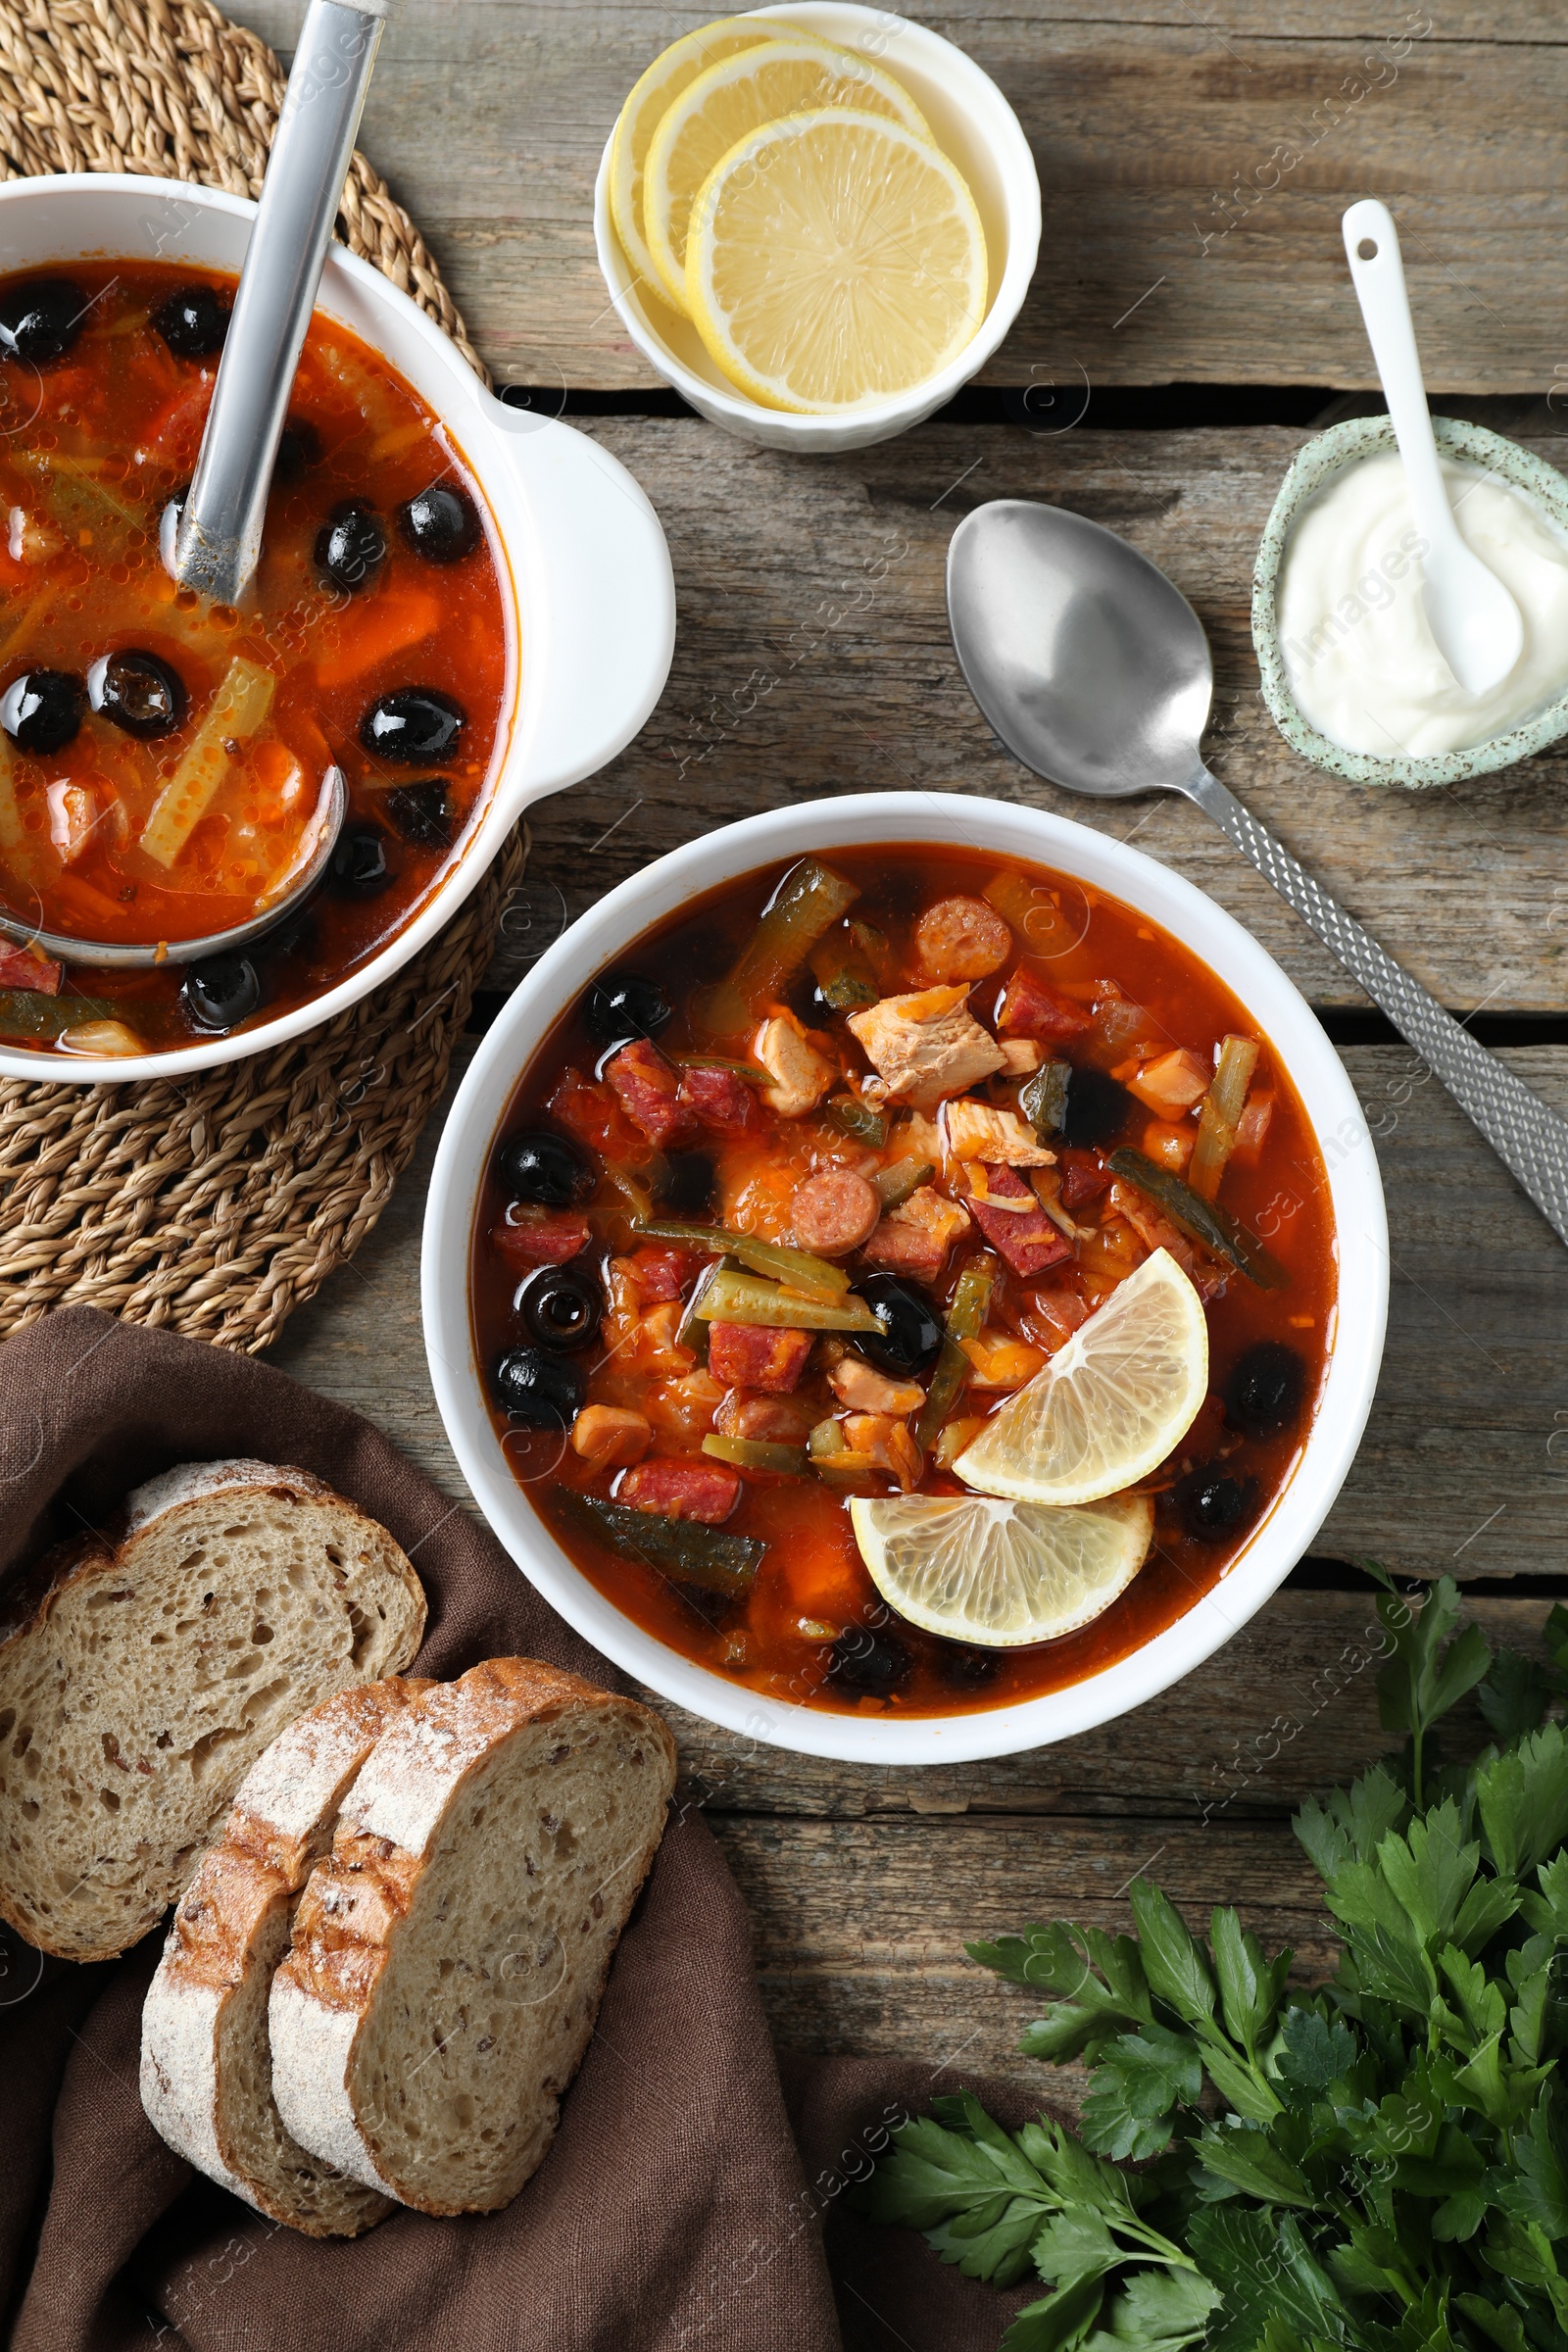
[[215, 1204]]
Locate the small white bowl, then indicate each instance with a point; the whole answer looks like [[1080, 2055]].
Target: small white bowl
[[598, 938], [973, 123]]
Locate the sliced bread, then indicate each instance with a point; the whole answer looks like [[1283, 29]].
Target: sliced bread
[[143, 1672], [449, 1960], [205, 2064]]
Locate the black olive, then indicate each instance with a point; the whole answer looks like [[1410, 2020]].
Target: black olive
[[909, 1339], [544, 1391], [40, 321], [299, 445], [688, 1188], [137, 692], [621, 1005], [440, 524], [351, 545], [359, 868], [417, 726], [966, 1668], [422, 813], [192, 322], [1265, 1388], [541, 1166], [868, 1661], [41, 710], [221, 992], [562, 1306], [1097, 1110], [1211, 1505]]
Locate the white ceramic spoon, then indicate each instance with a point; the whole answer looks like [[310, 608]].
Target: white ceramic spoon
[[1470, 613]]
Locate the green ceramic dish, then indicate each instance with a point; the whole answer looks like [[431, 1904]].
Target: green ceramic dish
[[1314, 466]]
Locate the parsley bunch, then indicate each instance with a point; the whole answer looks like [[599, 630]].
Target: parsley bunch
[[1380, 2165]]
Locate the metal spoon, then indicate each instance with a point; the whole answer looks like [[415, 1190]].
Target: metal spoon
[[218, 539], [1471, 614], [1094, 671]]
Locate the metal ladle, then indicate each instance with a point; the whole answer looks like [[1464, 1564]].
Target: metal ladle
[[1094, 671], [213, 542]]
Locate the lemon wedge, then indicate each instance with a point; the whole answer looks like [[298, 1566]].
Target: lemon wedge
[[669, 74], [1000, 1573], [1111, 1406], [834, 258], [726, 104]]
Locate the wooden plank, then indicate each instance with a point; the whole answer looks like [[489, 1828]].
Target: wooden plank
[[1460, 1467], [813, 656], [1194, 169]]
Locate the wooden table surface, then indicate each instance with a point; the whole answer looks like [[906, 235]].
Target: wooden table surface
[[1190, 321]]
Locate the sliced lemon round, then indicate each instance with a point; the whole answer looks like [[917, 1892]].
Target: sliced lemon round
[[670, 73], [730, 100], [1111, 1406], [834, 258], [1000, 1573]]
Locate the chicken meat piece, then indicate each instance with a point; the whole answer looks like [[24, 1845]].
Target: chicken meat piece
[[927, 1046], [610, 1436], [977, 1132], [1021, 1056], [800, 1073], [1173, 1083], [866, 1390]]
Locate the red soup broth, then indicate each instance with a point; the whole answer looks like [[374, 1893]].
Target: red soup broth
[[813, 1600], [93, 843]]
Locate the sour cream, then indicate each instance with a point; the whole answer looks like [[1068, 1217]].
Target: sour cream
[[1360, 657]]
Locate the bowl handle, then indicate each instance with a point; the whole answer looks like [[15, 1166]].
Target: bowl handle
[[609, 618]]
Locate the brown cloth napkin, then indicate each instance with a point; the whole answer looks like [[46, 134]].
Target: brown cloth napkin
[[674, 2213]]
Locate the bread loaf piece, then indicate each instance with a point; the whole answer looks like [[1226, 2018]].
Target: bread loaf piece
[[206, 2064], [139, 1679], [448, 1961]]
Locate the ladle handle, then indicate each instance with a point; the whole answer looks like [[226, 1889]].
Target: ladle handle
[[219, 534], [1525, 1133]]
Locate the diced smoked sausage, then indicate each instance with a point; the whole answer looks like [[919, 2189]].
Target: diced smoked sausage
[[541, 1238], [720, 1099], [659, 1272], [648, 1089], [1082, 1178], [756, 1355], [1026, 1239], [21, 968], [1029, 1008], [591, 1113], [704, 1490], [833, 1212], [962, 939]]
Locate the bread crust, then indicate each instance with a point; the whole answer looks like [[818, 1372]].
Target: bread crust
[[357, 1902], [227, 1928], [34, 1601]]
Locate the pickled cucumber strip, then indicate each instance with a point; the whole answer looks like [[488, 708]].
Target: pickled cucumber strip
[[857, 1119], [239, 708], [744, 1299], [1203, 1221], [25, 1013], [1044, 1101], [965, 1316], [758, 1453], [808, 901], [683, 1548], [893, 1184], [1221, 1114], [797, 1269], [842, 970]]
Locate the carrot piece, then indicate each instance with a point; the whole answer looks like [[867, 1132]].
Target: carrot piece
[[390, 626]]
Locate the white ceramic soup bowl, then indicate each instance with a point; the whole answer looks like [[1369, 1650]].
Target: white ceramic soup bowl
[[973, 123], [585, 572], [598, 938]]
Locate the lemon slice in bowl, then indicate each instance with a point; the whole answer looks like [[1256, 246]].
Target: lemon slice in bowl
[[1111, 1406], [671, 71], [834, 258], [726, 104], [1000, 1573]]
